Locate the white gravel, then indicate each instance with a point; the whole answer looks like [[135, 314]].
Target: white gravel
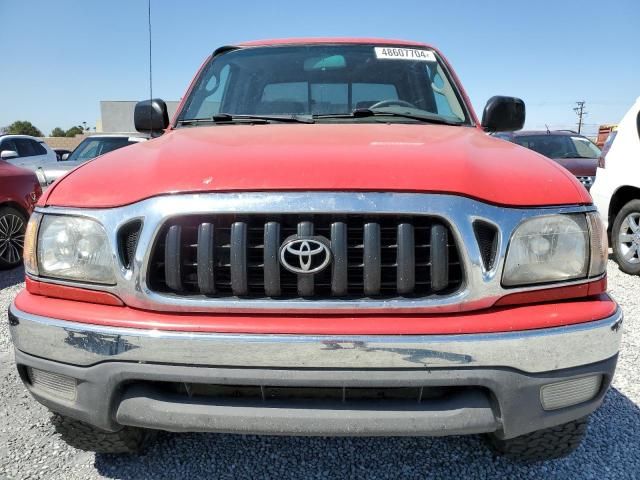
[[29, 447]]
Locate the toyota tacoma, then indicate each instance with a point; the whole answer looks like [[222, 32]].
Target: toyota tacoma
[[323, 241]]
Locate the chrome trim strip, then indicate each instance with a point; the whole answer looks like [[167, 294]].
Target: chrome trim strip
[[529, 351], [480, 289]]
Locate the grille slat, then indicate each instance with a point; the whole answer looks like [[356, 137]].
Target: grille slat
[[374, 256], [271, 262], [339, 248], [372, 259], [406, 261], [206, 259], [305, 282], [239, 259], [439, 257], [172, 257]]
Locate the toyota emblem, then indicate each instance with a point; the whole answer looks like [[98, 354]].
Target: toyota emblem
[[305, 255]]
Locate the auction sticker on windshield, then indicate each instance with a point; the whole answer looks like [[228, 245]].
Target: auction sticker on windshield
[[405, 54]]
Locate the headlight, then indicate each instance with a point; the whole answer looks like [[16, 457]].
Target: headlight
[[74, 248], [555, 248]]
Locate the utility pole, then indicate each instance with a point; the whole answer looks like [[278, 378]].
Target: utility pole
[[581, 113]]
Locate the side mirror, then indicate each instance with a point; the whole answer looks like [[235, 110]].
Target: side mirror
[[8, 154], [503, 114], [151, 116], [65, 156]]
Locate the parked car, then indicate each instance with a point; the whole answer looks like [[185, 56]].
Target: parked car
[[27, 152], [96, 145], [90, 148], [616, 192], [19, 191], [573, 151], [49, 167], [323, 242]]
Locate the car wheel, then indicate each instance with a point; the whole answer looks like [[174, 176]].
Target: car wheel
[[541, 445], [131, 440], [625, 237], [12, 228]]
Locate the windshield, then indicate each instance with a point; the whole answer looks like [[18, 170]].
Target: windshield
[[326, 80], [559, 146], [92, 147]]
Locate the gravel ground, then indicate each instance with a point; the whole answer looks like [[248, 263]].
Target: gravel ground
[[29, 447]]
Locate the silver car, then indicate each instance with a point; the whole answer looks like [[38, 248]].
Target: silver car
[[47, 166], [27, 152]]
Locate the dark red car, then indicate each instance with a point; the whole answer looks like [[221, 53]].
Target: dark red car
[[573, 151], [19, 192]]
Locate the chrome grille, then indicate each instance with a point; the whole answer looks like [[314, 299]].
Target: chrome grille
[[374, 256]]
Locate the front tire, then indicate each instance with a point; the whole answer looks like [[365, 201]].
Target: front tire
[[625, 238], [546, 444], [131, 440], [13, 225]]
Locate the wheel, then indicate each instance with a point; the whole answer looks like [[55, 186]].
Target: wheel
[[547, 444], [625, 238], [86, 437], [13, 224]]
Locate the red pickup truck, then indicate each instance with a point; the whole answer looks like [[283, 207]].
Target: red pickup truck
[[323, 241]]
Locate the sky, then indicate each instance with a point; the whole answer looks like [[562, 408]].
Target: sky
[[61, 58]]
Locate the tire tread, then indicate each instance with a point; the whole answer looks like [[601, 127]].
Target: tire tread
[[547, 444], [83, 436]]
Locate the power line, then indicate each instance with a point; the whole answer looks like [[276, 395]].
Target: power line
[[581, 114]]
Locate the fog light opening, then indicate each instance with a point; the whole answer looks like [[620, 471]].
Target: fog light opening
[[54, 384], [570, 392]]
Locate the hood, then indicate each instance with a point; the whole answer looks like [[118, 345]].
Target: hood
[[579, 166], [344, 157]]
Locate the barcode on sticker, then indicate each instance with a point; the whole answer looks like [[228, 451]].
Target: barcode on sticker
[[405, 54]]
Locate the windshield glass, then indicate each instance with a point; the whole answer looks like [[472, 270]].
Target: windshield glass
[[559, 146], [92, 147], [325, 80]]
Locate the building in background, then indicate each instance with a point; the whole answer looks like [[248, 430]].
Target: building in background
[[117, 116]]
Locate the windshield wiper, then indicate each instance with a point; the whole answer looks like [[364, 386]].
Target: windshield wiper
[[575, 155], [367, 112], [293, 118], [229, 118]]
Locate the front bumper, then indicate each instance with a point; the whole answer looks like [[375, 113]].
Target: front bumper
[[495, 378]]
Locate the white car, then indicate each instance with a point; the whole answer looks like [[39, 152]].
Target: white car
[[616, 191], [27, 152]]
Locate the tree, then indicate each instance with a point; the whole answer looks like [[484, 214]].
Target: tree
[[73, 131], [58, 132], [22, 127]]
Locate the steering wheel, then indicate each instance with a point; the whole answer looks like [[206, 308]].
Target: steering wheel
[[391, 102]]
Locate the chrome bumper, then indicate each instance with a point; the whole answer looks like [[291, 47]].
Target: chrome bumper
[[531, 351]]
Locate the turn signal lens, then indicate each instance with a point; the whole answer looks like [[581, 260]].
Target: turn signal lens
[[55, 384], [30, 241], [570, 392], [599, 244]]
